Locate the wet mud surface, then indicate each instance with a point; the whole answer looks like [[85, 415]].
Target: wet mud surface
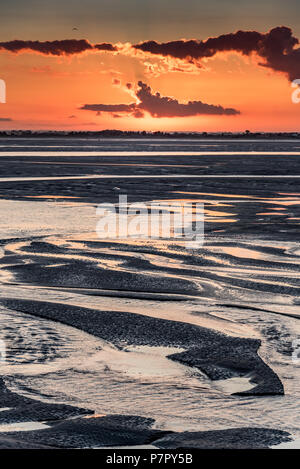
[[173, 347]]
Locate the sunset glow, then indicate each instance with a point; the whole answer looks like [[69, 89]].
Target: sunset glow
[[90, 60]]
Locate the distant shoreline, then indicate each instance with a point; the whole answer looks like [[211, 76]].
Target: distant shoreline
[[112, 134]]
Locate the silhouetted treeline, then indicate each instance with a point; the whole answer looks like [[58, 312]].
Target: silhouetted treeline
[[144, 134]]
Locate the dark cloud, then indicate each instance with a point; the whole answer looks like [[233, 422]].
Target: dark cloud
[[277, 48], [109, 107], [241, 41], [160, 106], [279, 52], [105, 46], [55, 48], [5, 119], [138, 114], [64, 47]]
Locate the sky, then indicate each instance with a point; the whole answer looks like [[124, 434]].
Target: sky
[[222, 65]]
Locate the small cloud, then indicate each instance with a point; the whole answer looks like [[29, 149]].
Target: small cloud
[[108, 107], [5, 119], [56, 48], [45, 69], [159, 106], [106, 46], [138, 114]]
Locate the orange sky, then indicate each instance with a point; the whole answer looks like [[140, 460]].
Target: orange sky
[[43, 92], [46, 92]]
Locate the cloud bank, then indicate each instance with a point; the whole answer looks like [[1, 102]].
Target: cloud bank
[[159, 106], [276, 48], [56, 48]]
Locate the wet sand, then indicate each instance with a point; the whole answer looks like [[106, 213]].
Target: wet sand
[[228, 312]]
